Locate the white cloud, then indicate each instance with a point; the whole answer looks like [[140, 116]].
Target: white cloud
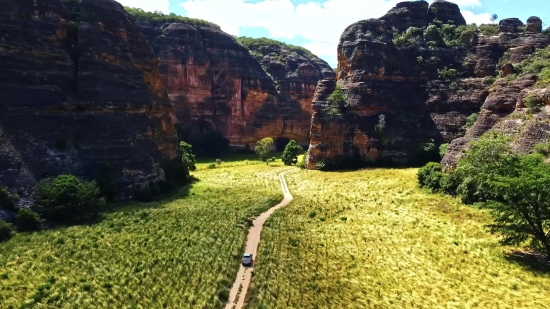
[[148, 5], [321, 23], [484, 18]]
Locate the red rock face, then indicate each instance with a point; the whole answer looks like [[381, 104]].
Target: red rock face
[[215, 83], [73, 96]]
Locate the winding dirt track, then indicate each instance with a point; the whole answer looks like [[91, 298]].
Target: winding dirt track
[[236, 297]]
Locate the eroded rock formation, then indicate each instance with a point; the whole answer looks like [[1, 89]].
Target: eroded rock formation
[[400, 97], [79, 87], [215, 83]]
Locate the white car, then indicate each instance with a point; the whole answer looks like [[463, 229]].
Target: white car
[[247, 259]]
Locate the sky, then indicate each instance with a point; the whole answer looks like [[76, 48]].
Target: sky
[[318, 24]]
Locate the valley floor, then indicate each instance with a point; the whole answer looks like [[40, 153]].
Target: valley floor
[[365, 239]]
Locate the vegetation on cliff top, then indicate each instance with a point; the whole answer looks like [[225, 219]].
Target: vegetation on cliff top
[[141, 15], [263, 46]]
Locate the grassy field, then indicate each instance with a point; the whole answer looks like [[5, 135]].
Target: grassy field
[[181, 253], [372, 239]]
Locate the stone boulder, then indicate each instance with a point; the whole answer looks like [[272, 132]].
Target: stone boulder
[[446, 12], [408, 14], [509, 25], [534, 25]]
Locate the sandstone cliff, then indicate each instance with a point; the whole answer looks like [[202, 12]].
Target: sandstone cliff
[[216, 84], [410, 78], [79, 87]]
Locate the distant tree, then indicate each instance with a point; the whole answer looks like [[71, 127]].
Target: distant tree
[[67, 199], [187, 156], [493, 18], [28, 221], [263, 149], [291, 153], [8, 201], [6, 230]]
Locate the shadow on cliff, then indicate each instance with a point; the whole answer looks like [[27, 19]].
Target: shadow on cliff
[[533, 262]]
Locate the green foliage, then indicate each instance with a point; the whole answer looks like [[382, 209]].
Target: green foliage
[[212, 166], [28, 221], [537, 63], [157, 16], [471, 120], [263, 149], [8, 201], [65, 199], [488, 29], [429, 176], [291, 153], [443, 149], [543, 149], [447, 73], [336, 102], [424, 152], [187, 157], [489, 80], [260, 47], [6, 230], [519, 202], [534, 102]]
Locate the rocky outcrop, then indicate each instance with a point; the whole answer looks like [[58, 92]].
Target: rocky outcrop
[[78, 93], [401, 97], [216, 84]]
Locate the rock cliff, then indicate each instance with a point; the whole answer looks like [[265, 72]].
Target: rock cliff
[[79, 87], [216, 84], [409, 80]]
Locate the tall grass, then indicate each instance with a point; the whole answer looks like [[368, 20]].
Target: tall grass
[[372, 239], [182, 253]]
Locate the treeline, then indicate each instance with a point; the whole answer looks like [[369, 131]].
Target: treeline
[[514, 186], [156, 16]]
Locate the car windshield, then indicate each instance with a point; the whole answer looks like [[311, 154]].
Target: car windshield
[[247, 255]]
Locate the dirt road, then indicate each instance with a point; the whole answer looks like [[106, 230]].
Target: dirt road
[[240, 287]]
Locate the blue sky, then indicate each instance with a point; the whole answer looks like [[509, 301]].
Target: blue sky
[[317, 24]]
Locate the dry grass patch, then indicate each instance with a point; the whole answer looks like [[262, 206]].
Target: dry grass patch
[[372, 239]]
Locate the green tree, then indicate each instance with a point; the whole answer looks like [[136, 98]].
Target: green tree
[[518, 197], [6, 230], [67, 199], [8, 201], [291, 153], [263, 148], [187, 157], [430, 175], [28, 221]]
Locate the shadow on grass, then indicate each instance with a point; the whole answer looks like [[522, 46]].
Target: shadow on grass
[[530, 261]]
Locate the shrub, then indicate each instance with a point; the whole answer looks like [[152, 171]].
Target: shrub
[[28, 221], [212, 166], [471, 120], [187, 157], [6, 230], [449, 183], [543, 149], [489, 80], [443, 149], [447, 73], [488, 29], [8, 201], [263, 149], [534, 102], [337, 103], [430, 176], [66, 199], [291, 153]]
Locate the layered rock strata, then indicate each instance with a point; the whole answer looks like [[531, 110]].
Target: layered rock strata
[[401, 97], [79, 87], [216, 84]]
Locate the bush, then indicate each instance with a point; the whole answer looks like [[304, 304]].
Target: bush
[[447, 73], [66, 199], [6, 230], [430, 176], [337, 102], [488, 29], [212, 166], [534, 102], [263, 148], [449, 183], [291, 153], [443, 150], [543, 149], [471, 120], [187, 157], [28, 221], [8, 201], [489, 80]]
